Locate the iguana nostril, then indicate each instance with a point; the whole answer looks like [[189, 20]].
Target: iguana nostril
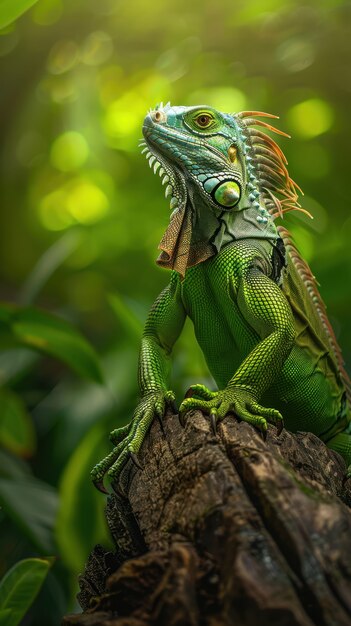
[[158, 116]]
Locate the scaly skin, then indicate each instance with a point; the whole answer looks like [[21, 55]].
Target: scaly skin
[[256, 310]]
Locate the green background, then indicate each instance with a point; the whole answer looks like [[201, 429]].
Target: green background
[[82, 215]]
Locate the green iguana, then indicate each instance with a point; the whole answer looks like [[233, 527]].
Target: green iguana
[[257, 313]]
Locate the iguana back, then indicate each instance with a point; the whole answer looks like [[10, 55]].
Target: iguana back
[[300, 287], [280, 195]]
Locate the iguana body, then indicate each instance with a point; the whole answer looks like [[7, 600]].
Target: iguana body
[[255, 306]]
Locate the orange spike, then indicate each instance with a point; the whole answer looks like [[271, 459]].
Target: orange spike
[[297, 186], [243, 114], [290, 201], [276, 202], [294, 208], [270, 141], [285, 192], [271, 146], [266, 151], [280, 214], [253, 122], [276, 171], [305, 212], [276, 166]]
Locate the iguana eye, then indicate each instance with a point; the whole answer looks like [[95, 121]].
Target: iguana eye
[[203, 120]]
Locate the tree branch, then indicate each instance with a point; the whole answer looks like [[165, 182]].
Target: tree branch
[[222, 530]]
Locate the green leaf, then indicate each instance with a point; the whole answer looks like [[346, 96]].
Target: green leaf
[[48, 263], [19, 588], [12, 466], [80, 522], [4, 614], [50, 335], [16, 427], [15, 364], [32, 506], [10, 10], [126, 317]]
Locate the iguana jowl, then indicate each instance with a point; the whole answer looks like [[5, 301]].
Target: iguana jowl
[[254, 303]]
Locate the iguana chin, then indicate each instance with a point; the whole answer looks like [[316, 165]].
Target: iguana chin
[[254, 303]]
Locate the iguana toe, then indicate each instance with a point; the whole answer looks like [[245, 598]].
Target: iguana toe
[[117, 435], [200, 392]]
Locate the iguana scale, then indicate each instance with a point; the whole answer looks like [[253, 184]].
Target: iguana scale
[[257, 313]]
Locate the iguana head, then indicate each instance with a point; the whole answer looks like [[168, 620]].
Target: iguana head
[[225, 179]]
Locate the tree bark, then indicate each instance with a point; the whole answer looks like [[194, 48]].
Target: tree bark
[[224, 529]]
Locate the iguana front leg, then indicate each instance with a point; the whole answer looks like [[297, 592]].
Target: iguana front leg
[[128, 439], [267, 311], [163, 326]]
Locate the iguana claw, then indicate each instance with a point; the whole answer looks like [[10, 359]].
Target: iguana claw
[[172, 405], [189, 393], [280, 427], [213, 420], [160, 421], [181, 417], [99, 484], [263, 434]]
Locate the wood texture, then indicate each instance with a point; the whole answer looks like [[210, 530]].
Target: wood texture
[[222, 530]]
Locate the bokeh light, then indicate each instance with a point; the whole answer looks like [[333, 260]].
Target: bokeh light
[[69, 151], [97, 48], [227, 99], [63, 56], [311, 118], [78, 201]]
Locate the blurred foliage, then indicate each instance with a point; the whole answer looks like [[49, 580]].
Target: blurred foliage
[[82, 216], [19, 588], [11, 9]]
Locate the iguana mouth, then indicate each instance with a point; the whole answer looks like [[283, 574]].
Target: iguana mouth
[[170, 175], [176, 241], [168, 170]]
